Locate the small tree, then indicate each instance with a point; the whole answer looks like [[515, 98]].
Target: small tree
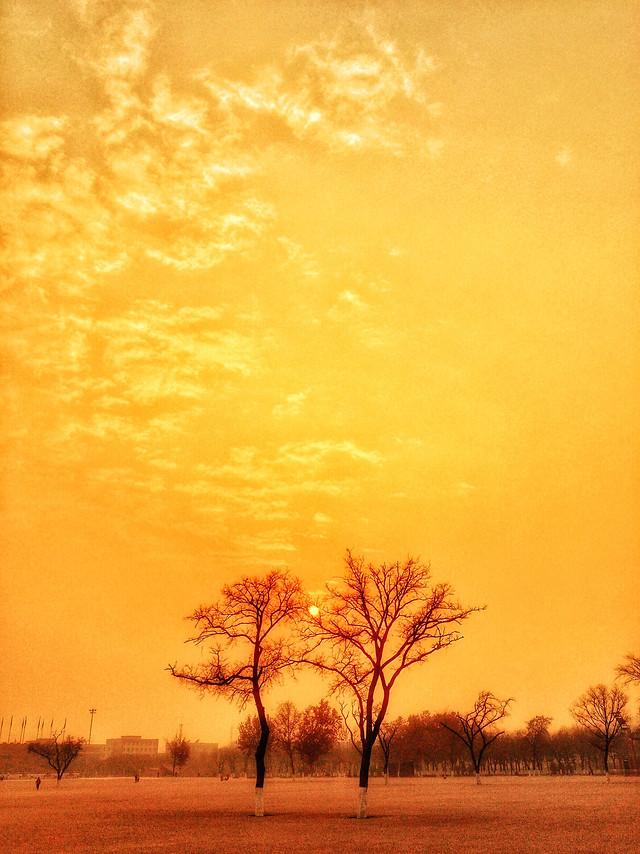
[[249, 621], [179, 750], [601, 711], [370, 628], [249, 733], [318, 732], [387, 733], [59, 751], [285, 730], [475, 728]]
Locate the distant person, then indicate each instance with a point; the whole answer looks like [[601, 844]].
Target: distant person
[[38, 783]]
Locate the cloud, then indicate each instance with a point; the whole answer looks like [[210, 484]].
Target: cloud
[[153, 350], [341, 92], [296, 257], [171, 174], [119, 47], [328, 454], [163, 179], [364, 323], [57, 231], [264, 485], [291, 405], [32, 138], [564, 156]]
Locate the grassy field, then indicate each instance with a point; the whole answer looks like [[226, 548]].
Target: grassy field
[[423, 816]]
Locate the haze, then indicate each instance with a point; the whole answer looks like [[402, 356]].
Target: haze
[[286, 278]]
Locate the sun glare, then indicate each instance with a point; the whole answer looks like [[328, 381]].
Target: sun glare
[[314, 610]]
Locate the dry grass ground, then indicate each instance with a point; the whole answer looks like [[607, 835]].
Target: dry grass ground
[[423, 816]]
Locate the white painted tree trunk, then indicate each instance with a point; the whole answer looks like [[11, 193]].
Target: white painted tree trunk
[[386, 778], [362, 802], [478, 778], [259, 803]]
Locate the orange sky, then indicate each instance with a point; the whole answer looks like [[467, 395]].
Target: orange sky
[[283, 278]]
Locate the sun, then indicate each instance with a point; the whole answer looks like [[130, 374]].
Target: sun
[[314, 610]]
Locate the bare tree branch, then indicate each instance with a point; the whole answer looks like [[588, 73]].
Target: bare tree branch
[[602, 712], [630, 671], [474, 728]]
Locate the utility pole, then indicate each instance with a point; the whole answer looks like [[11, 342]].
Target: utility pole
[[92, 713]]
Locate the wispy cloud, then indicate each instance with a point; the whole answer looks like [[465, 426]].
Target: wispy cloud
[[564, 156], [338, 91], [291, 405]]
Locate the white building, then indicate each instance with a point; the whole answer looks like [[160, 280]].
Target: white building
[[132, 745]]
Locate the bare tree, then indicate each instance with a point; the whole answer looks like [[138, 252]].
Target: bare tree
[[475, 728], [386, 734], [250, 621], [602, 712], [179, 749], [630, 671], [285, 726], [59, 751], [375, 624]]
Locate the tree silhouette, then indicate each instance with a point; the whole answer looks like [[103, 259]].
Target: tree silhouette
[[318, 731], [179, 750], [250, 622], [630, 671], [474, 729], [370, 627], [602, 712], [537, 735], [285, 727], [59, 751], [386, 734]]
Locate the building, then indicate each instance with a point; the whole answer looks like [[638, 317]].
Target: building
[[94, 751], [131, 745]]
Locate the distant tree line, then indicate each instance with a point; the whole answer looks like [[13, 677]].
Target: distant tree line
[[319, 740], [429, 744]]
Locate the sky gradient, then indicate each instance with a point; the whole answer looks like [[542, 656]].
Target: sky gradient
[[285, 278]]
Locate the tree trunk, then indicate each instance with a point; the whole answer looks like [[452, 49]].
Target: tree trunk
[[260, 754], [259, 812], [478, 778], [261, 751], [365, 762], [362, 803]]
